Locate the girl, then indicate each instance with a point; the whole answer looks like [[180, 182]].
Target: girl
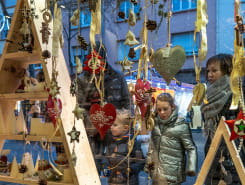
[[171, 145]]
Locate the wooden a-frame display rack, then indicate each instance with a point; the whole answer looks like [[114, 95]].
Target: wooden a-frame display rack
[[222, 132], [13, 61]]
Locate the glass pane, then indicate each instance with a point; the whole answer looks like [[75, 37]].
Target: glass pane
[[193, 3], [10, 3], [185, 4], [176, 5]]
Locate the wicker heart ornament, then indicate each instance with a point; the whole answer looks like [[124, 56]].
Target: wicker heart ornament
[[168, 66]]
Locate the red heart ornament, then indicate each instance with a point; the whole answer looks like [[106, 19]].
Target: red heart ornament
[[102, 117], [54, 108], [143, 98]]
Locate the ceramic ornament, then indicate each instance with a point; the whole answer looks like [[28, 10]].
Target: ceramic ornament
[[28, 162], [102, 117], [14, 168], [143, 98], [130, 39], [167, 67], [54, 108]]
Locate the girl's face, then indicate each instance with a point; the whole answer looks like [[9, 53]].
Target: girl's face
[[164, 109], [118, 129], [214, 72]]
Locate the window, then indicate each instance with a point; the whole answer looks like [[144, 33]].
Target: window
[[125, 7], [78, 52], [85, 18], [123, 51], [186, 41], [180, 5]]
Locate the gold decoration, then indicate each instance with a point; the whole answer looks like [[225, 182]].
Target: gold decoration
[[126, 64], [168, 66], [200, 26], [130, 39]]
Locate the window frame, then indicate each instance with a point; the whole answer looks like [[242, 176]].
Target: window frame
[[195, 45], [180, 3]]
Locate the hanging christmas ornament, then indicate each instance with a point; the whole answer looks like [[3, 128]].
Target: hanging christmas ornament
[[121, 15], [78, 112], [131, 18], [237, 126], [79, 66], [167, 67], [75, 17], [73, 157], [142, 95], [46, 54], [54, 108], [45, 30], [83, 44], [74, 134], [102, 117], [94, 64], [130, 39], [131, 53], [126, 64], [151, 25]]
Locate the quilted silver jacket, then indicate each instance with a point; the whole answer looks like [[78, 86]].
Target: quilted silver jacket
[[172, 151]]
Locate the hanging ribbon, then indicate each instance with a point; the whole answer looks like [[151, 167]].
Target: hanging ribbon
[[200, 26], [95, 27]]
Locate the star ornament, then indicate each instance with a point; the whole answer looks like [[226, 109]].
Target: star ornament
[[74, 134], [237, 126]]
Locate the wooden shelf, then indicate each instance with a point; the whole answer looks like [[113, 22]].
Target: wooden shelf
[[29, 181], [30, 138], [36, 95], [24, 56]]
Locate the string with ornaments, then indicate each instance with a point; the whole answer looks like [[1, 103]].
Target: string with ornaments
[[236, 79], [77, 111], [200, 27]]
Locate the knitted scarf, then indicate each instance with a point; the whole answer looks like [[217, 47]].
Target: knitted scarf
[[217, 95]]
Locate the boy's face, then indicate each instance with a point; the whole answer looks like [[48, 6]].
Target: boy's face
[[118, 129], [164, 109], [214, 72]]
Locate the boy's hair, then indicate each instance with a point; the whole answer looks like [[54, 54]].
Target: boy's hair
[[166, 97], [123, 116], [225, 61]]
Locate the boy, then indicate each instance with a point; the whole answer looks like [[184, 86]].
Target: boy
[[124, 166]]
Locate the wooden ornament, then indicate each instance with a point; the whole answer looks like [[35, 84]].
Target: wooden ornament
[[167, 67], [102, 117]]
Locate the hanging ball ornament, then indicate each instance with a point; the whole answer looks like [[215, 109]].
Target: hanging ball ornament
[[151, 25]]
